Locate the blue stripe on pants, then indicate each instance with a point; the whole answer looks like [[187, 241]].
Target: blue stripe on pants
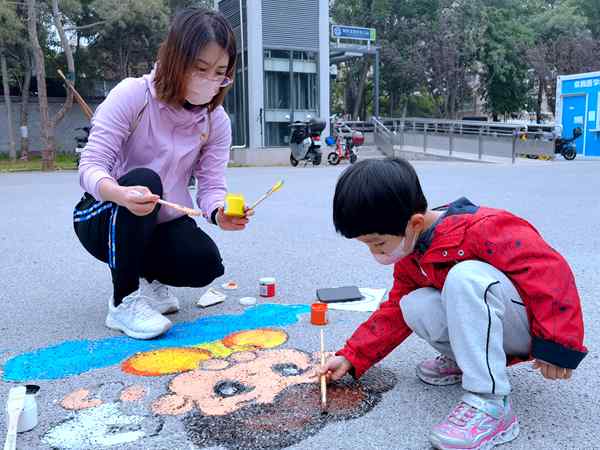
[[91, 214], [112, 247], [88, 210]]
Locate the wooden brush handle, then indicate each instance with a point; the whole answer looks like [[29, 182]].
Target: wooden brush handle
[[323, 377], [183, 209]]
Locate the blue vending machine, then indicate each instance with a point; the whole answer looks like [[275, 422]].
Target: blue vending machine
[[578, 105]]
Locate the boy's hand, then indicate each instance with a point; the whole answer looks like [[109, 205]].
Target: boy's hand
[[335, 368], [552, 372]]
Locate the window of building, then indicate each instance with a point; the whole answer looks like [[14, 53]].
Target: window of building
[[277, 90], [277, 134], [291, 87], [306, 91], [236, 103]]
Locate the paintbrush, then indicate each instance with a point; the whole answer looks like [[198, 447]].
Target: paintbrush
[[275, 188], [184, 209], [14, 407], [323, 377]]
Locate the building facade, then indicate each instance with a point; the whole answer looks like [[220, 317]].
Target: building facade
[[283, 68], [578, 105]]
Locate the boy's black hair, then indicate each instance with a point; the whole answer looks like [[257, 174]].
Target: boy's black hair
[[377, 196]]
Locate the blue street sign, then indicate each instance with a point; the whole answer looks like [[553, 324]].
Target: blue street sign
[[356, 33]]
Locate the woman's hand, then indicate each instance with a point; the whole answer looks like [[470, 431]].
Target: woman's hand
[[230, 223], [137, 199]]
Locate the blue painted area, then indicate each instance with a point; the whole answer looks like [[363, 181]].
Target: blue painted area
[[76, 357], [579, 106]]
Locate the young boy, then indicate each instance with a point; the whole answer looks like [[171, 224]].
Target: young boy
[[479, 284]]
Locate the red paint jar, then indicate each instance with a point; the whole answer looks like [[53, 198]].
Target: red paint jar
[[318, 313], [267, 287]]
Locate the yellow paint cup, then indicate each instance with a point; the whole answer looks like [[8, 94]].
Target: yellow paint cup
[[234, 205]]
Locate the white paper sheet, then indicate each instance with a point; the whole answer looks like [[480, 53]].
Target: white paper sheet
[[372, 300]]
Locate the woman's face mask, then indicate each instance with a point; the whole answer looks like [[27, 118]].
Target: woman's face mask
[[208, 75], [201, 91]]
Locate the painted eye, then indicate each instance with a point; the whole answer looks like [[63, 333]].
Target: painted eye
[[123, 428], [287, 369], [231, 388]]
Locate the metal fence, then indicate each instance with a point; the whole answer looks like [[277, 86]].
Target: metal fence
[[464, 138]]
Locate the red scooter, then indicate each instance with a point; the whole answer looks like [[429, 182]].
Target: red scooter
[[347, 142]]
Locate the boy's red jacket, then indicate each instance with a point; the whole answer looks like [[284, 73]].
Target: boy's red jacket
[[468, 232]]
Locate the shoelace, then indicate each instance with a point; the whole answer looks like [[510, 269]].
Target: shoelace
[[445, 361], [140, 307], [161, 290], [463, 414]]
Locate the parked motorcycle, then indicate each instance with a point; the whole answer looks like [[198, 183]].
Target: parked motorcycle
[[81, 141], [305, 141], [346, 143], [566, 147]]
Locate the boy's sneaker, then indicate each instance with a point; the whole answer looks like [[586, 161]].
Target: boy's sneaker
[[440, 371], [136, 318], [159, 297], [476, 423]]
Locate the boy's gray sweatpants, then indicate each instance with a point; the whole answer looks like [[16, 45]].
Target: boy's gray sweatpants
[[477, 319]]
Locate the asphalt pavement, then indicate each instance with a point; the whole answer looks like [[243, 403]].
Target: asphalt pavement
[[52, 291]]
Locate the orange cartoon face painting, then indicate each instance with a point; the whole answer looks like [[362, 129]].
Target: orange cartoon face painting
[[241, 393], [221, 387]]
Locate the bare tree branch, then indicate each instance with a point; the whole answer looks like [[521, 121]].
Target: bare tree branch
[[70, 62], [85, 27]]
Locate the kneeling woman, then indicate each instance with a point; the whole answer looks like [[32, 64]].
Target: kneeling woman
[[148, 137]]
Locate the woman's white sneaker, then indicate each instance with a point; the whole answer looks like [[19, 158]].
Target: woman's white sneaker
[[159, 297], [136, 318]]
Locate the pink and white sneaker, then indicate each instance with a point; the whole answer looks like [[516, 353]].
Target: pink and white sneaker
[[440, 371], [476, 423]]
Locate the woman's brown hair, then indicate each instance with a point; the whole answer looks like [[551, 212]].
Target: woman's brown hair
[[191, 30]]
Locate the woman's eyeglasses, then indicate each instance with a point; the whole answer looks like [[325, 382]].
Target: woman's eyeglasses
[[224, 80]]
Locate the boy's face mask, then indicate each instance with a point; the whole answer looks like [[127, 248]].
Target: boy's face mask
[[395, 255], [404, 248]]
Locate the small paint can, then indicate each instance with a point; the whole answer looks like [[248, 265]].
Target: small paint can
[[267, 287], [318, 313]]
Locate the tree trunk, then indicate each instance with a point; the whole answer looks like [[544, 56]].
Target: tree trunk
[[361, 88], [12, 149], [70, 64], [348, 95], [25, 105], [40, 73], [540, 98]]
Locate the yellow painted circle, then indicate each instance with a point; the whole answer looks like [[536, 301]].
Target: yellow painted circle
[[255, 339], [165, 361]]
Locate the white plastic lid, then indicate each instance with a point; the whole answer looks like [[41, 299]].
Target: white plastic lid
[[267, 280], [248, 301]]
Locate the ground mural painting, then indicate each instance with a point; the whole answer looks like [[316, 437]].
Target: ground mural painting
[[240, 391], [77, 357]]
